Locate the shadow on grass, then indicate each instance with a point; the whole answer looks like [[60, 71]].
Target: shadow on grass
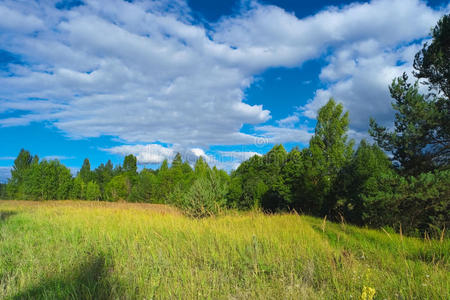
[[88, 281], [6, 214]]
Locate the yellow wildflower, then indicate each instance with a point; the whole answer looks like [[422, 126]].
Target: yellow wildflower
[[367, 293]]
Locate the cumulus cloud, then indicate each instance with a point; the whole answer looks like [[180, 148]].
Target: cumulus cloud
[[358, 76], [146, 72], [145, 154], [156, 154]]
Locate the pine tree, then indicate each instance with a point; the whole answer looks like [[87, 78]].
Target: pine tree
[[420, 141], [85, 171]]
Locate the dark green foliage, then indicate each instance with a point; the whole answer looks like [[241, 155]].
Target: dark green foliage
[[85, 171], [421, 138], [47, 180], [418, 203], [3, 193], [298, 180], [207, 195], [78, 189], [329, 151], [359, 179], [146, 188], [118, 189], [92, 191], [18, 173], [247, 184], [432, 63], [291, 176], [416, 143], [102, 175], [130, 164]]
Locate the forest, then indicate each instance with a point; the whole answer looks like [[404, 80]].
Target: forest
[[400, 180]]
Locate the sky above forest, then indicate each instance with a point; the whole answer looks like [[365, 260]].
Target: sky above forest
[[220, 79]]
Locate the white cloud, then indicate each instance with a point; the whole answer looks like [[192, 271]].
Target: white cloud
[[14, 21], [288, 121], [277, 135], [239, 155], [5, 174], [156, 154], [359, 76], [146, 72], [145, 154]]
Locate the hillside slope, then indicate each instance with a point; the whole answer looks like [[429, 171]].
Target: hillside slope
[[92, 250]]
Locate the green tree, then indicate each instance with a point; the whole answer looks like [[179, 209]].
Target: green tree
[[3, 194], [50, 179], [247, 186], [201, 168], [18, 172], [413, 143], [103, 174], [33, 182], [65, 182], [130, 164], [291, 173], [92, 191], [417, 203], [329, 151], [358, 180], [164, 182], [274, 198], [146, 188], [420, 141], [177, 161], [432, 63], [85, 171], [78, 189], [118, 188], [206, 197]]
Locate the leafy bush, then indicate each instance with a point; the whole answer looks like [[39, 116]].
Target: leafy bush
[[92, 191]]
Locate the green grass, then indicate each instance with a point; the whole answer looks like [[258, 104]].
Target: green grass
[[89, 250]]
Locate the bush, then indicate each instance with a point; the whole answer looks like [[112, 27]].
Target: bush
[[92, 191], [206, 197]]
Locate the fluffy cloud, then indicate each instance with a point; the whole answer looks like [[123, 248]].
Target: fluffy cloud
[[358, 76], [146, 71], [145, 154], [156, 154], [277, 135]]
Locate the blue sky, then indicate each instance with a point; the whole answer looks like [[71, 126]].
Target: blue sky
[[219, 79]]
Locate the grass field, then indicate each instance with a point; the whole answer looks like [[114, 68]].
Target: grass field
[[92, 250]]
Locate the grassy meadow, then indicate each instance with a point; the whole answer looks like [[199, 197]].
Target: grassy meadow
[[98, 250]]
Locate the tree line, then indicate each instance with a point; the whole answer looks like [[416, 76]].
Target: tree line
[[365, 186]]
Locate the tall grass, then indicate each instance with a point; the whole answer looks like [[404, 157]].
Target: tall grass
[[118, 251]]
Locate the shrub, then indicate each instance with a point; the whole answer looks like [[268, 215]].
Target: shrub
[[206, 196]]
